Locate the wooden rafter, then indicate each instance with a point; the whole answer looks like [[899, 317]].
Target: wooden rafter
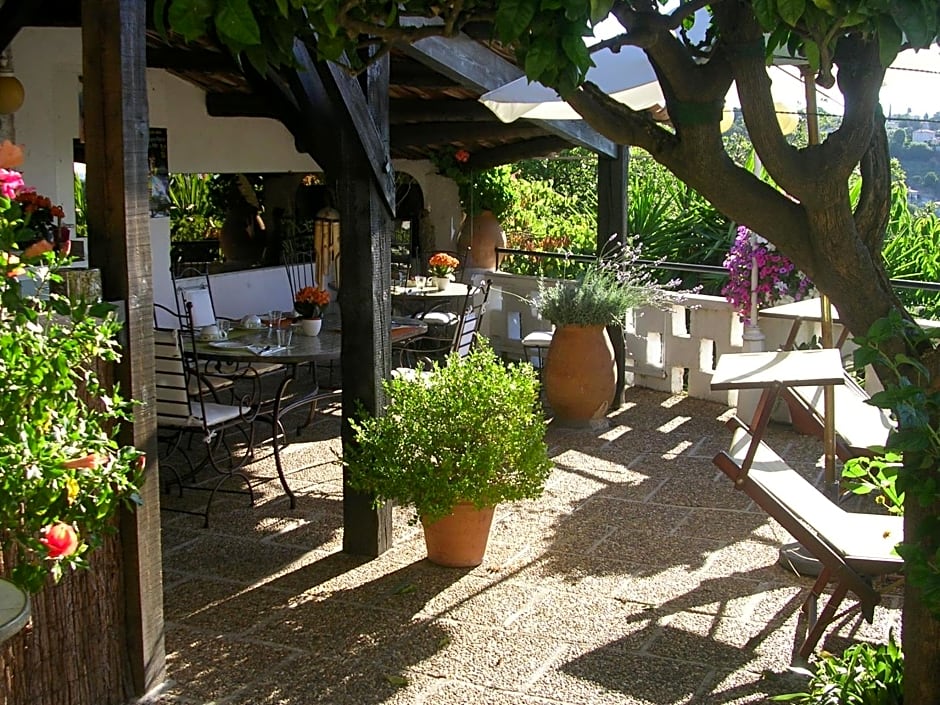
[[471, 64]]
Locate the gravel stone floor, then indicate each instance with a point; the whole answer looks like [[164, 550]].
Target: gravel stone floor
[[640, 576]]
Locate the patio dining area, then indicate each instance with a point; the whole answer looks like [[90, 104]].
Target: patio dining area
[[639, 576]]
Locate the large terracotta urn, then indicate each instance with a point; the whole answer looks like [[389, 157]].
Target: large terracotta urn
[[580, 374], [459, 539], [479, 237]]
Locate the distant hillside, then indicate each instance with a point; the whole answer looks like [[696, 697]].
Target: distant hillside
[[916, 145]]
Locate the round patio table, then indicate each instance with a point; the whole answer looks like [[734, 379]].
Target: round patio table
[[256, 346]]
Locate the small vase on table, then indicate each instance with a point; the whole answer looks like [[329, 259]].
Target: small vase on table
[[311, 326]]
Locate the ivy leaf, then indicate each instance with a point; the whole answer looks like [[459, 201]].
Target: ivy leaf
[[791, 10], [600, 9], [513, 17], [539, 58], [190, 18], [282, 8], [915, 21], [765, 12], [889, 40], [235, 22]]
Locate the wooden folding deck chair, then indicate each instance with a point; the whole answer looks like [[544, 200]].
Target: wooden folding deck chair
[[852, 547], [859, 426]]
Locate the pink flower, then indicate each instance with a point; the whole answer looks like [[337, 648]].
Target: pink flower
[[11, 183], [60, 540]]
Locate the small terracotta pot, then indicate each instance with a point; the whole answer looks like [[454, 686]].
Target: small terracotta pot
[[459, 539]]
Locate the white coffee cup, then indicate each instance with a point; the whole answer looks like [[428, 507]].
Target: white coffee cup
[[210, 333]]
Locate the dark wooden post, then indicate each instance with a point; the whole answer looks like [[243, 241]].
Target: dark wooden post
[[116, 137], [365, 246], [612, 219]]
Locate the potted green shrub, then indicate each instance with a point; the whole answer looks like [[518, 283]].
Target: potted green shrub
[[580, 374], [453, 443]]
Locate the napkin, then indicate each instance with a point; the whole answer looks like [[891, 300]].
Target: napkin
[[265, 350]]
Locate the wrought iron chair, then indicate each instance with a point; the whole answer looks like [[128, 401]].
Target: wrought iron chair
[[182, 416], [200, 295], [457, 337]]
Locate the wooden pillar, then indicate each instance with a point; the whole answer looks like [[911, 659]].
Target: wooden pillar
[[612, 219], [116, 136], [365, 303]]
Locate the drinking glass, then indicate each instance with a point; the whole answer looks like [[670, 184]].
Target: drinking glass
[[284, 336], [274, 321], [225, 326]]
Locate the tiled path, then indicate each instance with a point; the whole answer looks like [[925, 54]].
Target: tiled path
[[640, 576]]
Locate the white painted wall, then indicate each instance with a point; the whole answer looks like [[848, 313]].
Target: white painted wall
[[49, 121]]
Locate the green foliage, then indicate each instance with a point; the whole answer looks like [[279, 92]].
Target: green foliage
[[865, 674], [193, 208], [914, 400], [671, 220], [81, 204], [611, 285], [912, 251], [542, 219], [468, 431], [59, 465], [483, 190], [864, 475]]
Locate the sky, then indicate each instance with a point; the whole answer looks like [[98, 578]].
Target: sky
[[912, 82]]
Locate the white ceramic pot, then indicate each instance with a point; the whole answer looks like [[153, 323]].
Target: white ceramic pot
[[310, 326], [441, 282]]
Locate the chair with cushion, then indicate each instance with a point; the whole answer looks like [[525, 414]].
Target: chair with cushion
[[182, 416], [198, 295], [454, 336], [852, 547]]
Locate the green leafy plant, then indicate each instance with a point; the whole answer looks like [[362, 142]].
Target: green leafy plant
[[913, 398], [62, 476], [864, 475], [193, 210], [468, 431], [481, 190], [611, 285], [865, 674]]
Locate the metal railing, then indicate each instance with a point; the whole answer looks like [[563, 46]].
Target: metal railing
[[688, 267]]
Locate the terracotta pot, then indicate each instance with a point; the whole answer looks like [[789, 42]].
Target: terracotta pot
[[459, 539], [311, 326], [479, 237], [580, 374]]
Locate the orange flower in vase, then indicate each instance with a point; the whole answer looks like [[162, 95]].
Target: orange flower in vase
[[441, 265], [310, 301]]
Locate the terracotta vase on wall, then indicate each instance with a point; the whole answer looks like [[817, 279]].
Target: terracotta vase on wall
[[580, 374], [479, 237]]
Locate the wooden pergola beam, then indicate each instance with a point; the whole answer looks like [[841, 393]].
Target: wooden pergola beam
[[240, 105], [118, 193], [472, 65], [176, 59], [510, 153], [406, 110], [346, 95], [440, 133]]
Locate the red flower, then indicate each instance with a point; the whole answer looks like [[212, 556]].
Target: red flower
[[60, 540], [87, 462], [462, 156]]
